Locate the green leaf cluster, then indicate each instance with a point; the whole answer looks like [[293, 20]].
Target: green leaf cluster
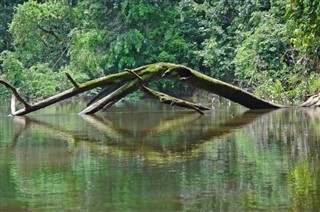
[[247, 43]]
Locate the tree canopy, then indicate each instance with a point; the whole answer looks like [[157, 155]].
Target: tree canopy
[[268, 47]]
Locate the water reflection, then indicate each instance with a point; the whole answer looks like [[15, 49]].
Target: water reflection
[[158, 141], [161, 159]]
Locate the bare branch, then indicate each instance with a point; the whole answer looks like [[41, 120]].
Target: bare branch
[[313, 101], [166, 99], [134, 73], [112, 98], [130, 82], [74, 83], [15, 93], [50, 31]]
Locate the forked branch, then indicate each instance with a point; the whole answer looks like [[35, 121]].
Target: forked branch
[[166, 99], [15, 93]]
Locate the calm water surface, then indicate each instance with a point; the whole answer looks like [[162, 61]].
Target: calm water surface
[[142, 156]]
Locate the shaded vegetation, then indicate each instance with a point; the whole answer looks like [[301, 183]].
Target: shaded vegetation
[[269, 47]]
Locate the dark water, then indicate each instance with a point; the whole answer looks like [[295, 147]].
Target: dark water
[[143, 156]]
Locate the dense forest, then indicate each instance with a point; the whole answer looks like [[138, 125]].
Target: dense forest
[[268, 47]]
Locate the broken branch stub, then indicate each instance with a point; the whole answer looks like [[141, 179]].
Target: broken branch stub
[[74, 83]]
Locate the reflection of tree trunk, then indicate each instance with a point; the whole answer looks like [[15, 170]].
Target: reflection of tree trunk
[[172, 123], [314, 114], [48, 128], [148, 74], [122, 140], [25, 125], [107, 127], [231, 125]]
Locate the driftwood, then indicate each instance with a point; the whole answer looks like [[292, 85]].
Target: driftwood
[[313, 101], [131, 80]]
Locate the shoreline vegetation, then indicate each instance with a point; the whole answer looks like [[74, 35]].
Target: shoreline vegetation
[[267, 48], [117, 86]]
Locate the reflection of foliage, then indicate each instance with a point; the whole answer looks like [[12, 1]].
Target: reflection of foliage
[[303, 187], [265, 166], [250, 162], [256, 164]]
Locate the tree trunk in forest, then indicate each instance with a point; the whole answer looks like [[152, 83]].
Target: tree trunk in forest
[[147, 74]]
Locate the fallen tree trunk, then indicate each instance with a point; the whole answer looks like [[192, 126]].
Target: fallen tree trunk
[[112, 98], [81, 88], [166, 99], [313, 101], [147, 74]]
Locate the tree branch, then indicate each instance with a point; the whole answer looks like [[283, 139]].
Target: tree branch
[[112, 98], [134, 73], [74, 83], [148, 74], [313, 101], [51, 32], [166, 99], [15, 93]]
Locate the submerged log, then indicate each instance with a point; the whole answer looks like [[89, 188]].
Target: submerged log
[[147, 74]]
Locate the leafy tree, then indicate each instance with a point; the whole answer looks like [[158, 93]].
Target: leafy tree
[[227, 23], [6, 12], [246, 42], [304, 17], [262, 50], [40, 32]]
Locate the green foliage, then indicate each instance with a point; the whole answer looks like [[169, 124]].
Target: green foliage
[[38, 80], [36, 75], [12, 68], [6, 12], [261, 51], [268, 63], [303, 184], [86, 56], [40, 32], [247, 42], [304, 17]]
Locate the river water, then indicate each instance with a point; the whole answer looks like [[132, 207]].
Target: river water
[[143, 156]]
